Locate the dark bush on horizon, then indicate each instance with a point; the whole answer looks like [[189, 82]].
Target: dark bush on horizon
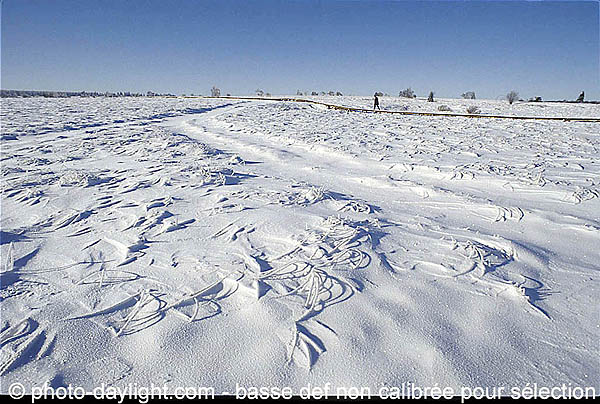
[[469, 95], [408, 93]]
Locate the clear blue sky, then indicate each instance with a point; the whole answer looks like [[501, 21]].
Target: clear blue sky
[[540, 48]]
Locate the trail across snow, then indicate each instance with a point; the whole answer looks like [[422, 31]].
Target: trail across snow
[[215, 242]]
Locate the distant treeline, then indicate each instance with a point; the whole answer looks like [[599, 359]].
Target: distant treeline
[[65, 94], [215, 92]]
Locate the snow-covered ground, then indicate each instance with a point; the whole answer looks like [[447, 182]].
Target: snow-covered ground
[[199, 242], [486, 107]]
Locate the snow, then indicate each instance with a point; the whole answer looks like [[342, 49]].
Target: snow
[[209, 242]]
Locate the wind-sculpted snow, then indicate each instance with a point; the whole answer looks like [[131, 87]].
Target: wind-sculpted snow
[[35, 116], [207, 242]]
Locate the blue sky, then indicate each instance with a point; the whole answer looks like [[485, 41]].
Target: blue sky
[[541, 48]]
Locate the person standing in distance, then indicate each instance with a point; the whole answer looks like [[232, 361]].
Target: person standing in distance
[[376, 104]]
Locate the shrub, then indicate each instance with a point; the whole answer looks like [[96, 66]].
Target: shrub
[[215, 92], [473, 110], [444, 108], [430, 98], [408, 93], [469, 95]]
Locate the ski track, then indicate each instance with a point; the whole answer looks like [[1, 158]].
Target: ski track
[[317, 243]]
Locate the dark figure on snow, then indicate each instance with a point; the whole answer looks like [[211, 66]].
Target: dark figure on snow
[[580, 98], [376, 105]]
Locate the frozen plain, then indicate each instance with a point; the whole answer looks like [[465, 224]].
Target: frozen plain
[[207, 242]]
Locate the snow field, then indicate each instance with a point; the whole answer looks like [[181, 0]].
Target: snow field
[[215, 242]]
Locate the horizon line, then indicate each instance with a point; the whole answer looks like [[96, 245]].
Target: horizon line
[[144, 94]]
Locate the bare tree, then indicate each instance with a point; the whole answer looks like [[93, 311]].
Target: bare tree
[[215, 92], [512, 96], [259, 92]]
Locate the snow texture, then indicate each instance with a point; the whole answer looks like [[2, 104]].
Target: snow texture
[[213, 242]]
